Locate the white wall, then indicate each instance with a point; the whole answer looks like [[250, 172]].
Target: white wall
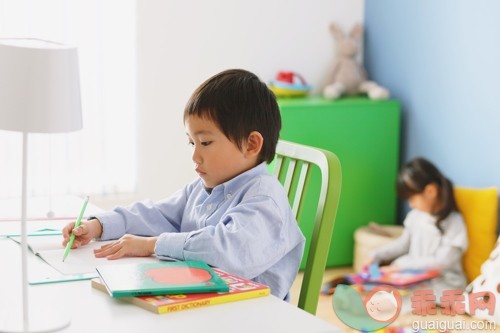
[[182, 43]]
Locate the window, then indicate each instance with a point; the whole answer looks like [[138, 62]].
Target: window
[[100, 158]]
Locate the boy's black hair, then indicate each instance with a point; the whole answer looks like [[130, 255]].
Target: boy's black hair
[[239, 103], [416, 174]]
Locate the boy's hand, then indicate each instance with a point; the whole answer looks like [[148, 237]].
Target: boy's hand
[[87, 231], [127, 246]]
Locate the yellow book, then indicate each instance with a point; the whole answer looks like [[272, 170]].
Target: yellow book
[[239, 289]]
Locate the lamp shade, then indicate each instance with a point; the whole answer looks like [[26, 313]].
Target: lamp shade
[[39, 86]]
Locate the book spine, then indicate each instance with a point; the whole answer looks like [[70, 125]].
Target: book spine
[[212, 301]]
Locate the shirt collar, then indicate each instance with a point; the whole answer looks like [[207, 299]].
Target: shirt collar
[[235, 183]]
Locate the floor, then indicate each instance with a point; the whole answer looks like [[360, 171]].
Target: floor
[[325, 311]]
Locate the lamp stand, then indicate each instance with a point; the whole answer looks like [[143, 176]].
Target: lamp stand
[[39, 319], [50, 213]]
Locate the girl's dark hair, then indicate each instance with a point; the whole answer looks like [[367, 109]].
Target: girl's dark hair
[[239, 103], [416, 174]]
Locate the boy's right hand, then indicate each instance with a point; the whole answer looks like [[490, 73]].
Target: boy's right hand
[[87, 231]]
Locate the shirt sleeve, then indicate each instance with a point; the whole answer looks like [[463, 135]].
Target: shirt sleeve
[[144, 218], [393, 249], [444, 258], [257, 232]]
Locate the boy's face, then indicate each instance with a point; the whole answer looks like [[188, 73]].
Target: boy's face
[[216, 158]]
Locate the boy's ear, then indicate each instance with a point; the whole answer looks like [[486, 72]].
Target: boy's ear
[[254, 144]]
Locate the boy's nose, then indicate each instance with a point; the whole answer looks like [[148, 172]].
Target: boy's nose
[[196, 157]]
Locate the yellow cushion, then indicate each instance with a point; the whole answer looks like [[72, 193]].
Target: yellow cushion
[[479, 207]]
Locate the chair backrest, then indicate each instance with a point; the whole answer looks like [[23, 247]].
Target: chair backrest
[[293, 165]]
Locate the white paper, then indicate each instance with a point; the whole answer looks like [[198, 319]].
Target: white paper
[[78, 261]]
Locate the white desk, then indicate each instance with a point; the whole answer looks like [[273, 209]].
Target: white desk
[[90, 310]]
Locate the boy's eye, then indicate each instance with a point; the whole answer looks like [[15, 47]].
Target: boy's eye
[[203, 143]]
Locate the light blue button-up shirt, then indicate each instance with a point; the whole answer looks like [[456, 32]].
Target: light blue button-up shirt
[[244, 226]]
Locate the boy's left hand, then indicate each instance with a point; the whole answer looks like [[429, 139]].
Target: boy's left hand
[[127, 246]]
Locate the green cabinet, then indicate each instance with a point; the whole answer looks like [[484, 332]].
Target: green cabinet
[[365, 136]]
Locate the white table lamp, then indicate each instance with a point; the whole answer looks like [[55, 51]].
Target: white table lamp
[[39, 93]]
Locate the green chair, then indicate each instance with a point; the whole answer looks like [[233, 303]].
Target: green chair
[[293, 165]]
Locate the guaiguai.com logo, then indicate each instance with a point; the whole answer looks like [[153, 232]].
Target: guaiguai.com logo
[[377, 310]]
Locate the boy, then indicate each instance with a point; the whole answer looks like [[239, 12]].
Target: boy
[[236, 216]]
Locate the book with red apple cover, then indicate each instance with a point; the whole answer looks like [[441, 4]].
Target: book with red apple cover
[[239, 289], [160, 278]]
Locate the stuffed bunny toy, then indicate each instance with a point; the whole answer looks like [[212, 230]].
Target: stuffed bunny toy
[[349, 77]]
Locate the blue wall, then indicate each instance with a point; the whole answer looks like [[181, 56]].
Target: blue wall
[[441, 60]]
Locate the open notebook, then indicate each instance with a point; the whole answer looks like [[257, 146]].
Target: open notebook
[[79, 264]]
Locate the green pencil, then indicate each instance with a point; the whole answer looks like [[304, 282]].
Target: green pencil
[[77, 224]]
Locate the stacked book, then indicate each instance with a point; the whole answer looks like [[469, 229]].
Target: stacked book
[[165, 287]]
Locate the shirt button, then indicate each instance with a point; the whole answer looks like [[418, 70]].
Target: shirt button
[[229, 195], [209, 206]]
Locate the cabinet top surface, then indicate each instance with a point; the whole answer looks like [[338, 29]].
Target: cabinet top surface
[[319, 101]]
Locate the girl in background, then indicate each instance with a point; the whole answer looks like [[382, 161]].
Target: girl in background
[[435, 236]]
